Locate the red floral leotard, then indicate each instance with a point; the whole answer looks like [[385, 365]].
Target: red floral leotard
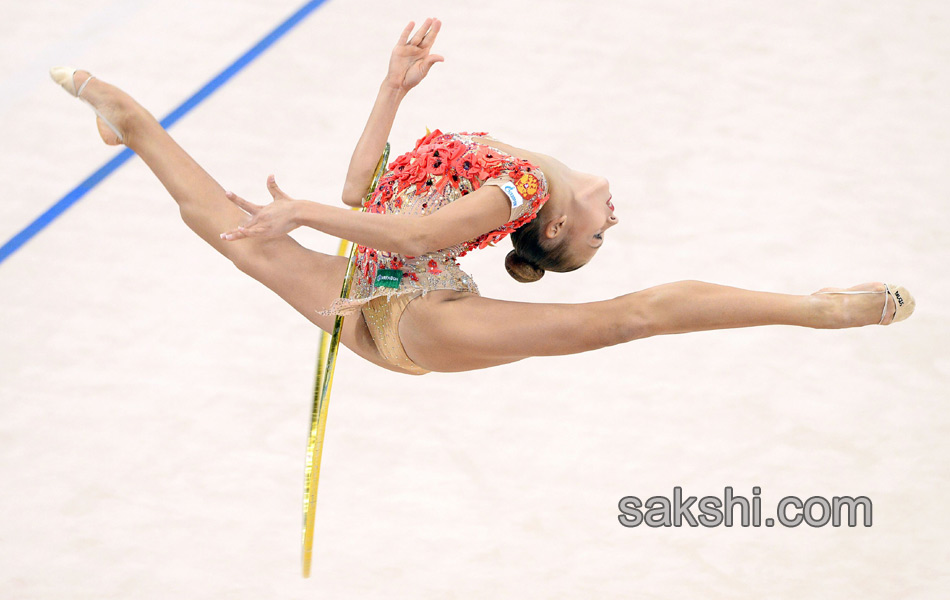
[[442, 168]]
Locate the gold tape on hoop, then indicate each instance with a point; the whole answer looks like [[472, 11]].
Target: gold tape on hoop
[[321, 393]]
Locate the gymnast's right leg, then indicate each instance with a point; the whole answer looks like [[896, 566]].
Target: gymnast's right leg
[[460, 332], [309, 281]]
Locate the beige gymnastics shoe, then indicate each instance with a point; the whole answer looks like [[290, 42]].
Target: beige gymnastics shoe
[[64, 76], [904, 303]]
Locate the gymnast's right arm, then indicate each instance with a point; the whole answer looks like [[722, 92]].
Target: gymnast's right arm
[[408, 65], [482, 211]]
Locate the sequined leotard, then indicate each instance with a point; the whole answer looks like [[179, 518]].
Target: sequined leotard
[[442, 168]]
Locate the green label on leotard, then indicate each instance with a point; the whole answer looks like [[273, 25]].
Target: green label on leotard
[[390, 278]]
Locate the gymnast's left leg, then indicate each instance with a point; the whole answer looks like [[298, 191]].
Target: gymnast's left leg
[[447, 331], [309, 281]]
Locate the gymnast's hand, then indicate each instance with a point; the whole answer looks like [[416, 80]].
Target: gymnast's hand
[[274, 220], [411, 61]]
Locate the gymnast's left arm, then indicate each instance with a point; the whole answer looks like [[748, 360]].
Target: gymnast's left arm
[[409, 64]]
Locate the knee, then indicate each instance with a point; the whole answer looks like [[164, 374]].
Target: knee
[[252, 258], [244, 265], [632, 318], [644, 314], [248, 263]]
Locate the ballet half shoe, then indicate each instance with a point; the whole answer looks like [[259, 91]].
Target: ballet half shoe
[[904, 303], [64, 77]]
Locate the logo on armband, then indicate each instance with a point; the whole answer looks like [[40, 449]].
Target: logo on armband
[[512, 192], [390, 278]]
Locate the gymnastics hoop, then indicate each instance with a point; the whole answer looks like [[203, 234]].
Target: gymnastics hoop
[[326, 363]]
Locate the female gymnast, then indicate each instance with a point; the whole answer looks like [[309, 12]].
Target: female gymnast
[[412, 309]]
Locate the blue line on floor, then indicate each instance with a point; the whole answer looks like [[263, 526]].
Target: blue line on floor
[[230, 71]]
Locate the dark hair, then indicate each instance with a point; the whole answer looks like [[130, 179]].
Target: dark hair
[[532, 256]]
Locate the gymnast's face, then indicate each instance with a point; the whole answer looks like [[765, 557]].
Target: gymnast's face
[[589, 216]]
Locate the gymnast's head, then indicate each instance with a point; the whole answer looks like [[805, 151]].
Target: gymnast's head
[[567, 232]]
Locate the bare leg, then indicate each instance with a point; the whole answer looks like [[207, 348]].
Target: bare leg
[[463, 332], [450, 331], [204, 207], [308, 280], [688, 306]]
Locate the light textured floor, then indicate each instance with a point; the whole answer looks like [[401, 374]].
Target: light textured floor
[[154, 402]]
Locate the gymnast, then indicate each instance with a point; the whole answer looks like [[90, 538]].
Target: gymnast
[[411, 309]]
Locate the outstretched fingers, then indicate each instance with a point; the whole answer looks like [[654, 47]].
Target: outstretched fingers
[[270, 221], [234, 234], [420, 33], [239, 233], [410, 60], [404, 36], [429, 37], [424, 36], [248, 207], [275, 191]]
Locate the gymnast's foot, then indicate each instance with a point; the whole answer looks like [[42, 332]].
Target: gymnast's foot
[[114, 108], [862, 304]]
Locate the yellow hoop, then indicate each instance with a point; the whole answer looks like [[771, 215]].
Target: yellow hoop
[[321, 392]]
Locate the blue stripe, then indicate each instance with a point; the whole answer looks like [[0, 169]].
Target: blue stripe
[[230, 71]]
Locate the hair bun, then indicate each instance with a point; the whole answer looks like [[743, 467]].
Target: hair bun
[[521, 270]]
